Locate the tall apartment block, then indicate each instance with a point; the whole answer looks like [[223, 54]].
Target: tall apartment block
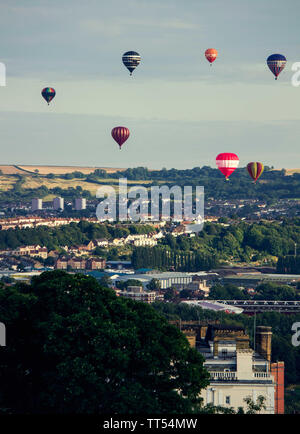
[[36, 204], [80, 204], [58, 203]]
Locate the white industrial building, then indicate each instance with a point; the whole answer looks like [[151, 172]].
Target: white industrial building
[[166, 279]]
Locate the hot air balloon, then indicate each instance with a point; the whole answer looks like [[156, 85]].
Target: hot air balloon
[[227, 163], [211, 55], [276, 63], [255, 170], [48, 93], [131, 59], [120, 135]]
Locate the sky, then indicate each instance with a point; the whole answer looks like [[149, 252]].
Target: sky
[[180, 111]]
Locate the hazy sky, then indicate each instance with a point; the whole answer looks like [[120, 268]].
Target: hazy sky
[[181, 112]]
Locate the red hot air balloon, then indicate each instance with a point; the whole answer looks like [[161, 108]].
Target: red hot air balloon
[[227, 163], [255, 170], [120, 135], [211, 55]]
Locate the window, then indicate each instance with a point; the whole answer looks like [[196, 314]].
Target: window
[[227, 400]]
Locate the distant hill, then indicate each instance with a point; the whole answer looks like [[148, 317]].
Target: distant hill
[[56, 170], [291, 171], [69, 181], [60, 170]]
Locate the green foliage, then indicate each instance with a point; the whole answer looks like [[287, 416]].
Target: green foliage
[[292, 400], [275, 186], [154, 285], [129, 282], [162, 258], [252, 407], [289, 264], [74, 347], [215, 243], [72, 234], [227, 292], [273, 291]]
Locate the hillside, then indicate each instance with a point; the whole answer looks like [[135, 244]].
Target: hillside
[[56, 170], [25, 182]]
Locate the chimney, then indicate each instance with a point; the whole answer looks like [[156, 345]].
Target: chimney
[[263, 339]]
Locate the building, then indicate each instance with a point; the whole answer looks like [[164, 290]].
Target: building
[[277, 370], [61, 264], [95, 264], [34, 221], [101, 242], [80, 204], [178, 230], [141, 240], [80, 264], [58, 203], [36, 204], [199, 286], [77, 263], [251, 280], [32, 251], [138, 294], [146, 241], [238, 372]]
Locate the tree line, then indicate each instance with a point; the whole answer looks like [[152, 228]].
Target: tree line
[[276, 184], [157, 257], [70, 235]]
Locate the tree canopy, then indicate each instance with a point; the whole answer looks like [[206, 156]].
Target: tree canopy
[[74, 347]]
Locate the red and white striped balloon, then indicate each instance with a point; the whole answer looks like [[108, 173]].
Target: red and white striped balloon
[[227, 162], [120, 135]]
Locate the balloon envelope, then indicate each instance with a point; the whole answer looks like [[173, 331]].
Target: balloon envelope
[[120, 135], [48, 93], [131, 60], [276, 63], [211, 54], [255, 170], [227, 162]]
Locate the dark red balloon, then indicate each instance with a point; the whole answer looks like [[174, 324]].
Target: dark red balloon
[[120, 135]]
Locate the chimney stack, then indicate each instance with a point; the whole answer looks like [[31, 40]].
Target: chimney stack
[[263, 339]]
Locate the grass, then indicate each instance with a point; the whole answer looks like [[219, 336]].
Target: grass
[[7, 182], [33, 181], [58, 170]]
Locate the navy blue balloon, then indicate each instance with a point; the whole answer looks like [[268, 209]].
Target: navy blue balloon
[[276, 63], [131, 60]]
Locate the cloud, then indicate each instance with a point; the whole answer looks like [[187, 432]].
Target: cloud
[[118, 26]]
